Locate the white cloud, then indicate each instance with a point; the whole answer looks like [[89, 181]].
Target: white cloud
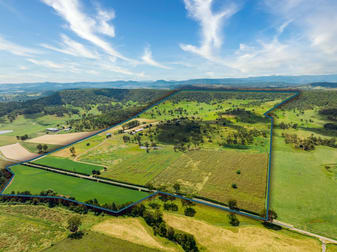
[[211, 24], [46, 63], [147, 58], [118, 69], [308, 44], [103, 26], [16, 49], [84, 26], [73, 48]]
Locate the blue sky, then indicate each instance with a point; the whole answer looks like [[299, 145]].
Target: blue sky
[[92, 40]]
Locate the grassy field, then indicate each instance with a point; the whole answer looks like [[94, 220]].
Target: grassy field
[[45, 228], [331, 248], [94, 241], [6, 140], [33, 125], [36, 180], [302, 192], [31, 228], [68, 165], [212, 230]]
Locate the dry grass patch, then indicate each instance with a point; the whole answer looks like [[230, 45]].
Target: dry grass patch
[[214, 238], [130, 229]]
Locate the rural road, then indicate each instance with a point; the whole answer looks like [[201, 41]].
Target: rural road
[[323, 239]]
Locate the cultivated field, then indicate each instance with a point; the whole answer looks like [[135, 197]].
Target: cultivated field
[[190, 139], [16, 152], [36, 180], [60, 139]]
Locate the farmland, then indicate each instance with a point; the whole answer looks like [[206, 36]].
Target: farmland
[[36, 180], [69, 165], [190, 139], [304, 188], [45, 228]]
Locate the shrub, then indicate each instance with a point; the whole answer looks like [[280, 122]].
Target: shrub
[[233, 220], [189, 211]]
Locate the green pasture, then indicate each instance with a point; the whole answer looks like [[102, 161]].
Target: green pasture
[[302, 191], [36, 180], [31, 228], [130, 163], [32, 125], [67, 164]]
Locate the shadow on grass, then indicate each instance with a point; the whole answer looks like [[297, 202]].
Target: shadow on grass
[[322, 131], [271, 226], [76, 236]]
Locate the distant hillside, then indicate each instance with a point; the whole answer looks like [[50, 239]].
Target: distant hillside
[[257, 82], [320, 85], [78, 98]]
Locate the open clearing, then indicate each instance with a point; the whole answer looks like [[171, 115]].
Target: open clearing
[[60, 139], [132, 230], [16, 152], [242, 239], [36, 180]]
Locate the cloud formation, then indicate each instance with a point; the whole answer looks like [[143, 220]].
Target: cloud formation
[[87, 27], [211, 26], [147, 58], [16, 49], [73, 48]]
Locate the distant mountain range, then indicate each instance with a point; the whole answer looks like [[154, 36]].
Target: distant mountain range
[[303, 81]]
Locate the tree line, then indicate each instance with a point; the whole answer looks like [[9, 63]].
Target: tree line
[[77, 98]]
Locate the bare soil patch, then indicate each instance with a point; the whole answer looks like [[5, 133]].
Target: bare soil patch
[[60, 139], [16, 152]]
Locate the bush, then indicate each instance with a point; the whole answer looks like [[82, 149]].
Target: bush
[[233, 220], [189, 211], [77, 235], [154, 205], [170, 206], [232, 204]]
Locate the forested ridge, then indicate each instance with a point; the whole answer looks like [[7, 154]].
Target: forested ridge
[[84, 98]]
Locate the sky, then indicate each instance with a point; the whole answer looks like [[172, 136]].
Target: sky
[[105, 40]]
